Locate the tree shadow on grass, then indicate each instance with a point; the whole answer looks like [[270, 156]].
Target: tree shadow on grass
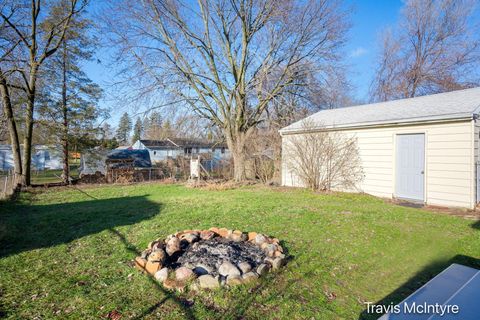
[[167, 294], [418, 280], [237, 308], [476, 225], [26, 227]]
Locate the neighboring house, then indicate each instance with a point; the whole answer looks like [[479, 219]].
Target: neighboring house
[[423, 149], [43, 157], [96, 160], [6, 157], [161, 150], [47, 157]]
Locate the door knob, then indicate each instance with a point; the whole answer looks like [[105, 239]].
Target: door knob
[[422, 172]]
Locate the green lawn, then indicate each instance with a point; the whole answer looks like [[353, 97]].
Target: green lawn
[[52, 176], [66, 253]]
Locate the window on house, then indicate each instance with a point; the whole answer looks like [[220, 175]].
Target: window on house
[[154, 153], [223, 150], [188, 150]]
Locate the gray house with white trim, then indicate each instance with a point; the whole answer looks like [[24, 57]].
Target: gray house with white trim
[[161, 150]]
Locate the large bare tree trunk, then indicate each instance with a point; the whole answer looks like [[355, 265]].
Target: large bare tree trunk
[[236, 142], [239, 170], [12, 129], [27, 145], [27, 141]]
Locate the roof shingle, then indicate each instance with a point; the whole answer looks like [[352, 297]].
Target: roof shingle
[[443, 106], [180, 143]]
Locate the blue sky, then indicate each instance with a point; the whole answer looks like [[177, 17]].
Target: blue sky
[[368, 18]]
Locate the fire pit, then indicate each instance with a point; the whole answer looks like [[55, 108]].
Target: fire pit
[[210, 258]]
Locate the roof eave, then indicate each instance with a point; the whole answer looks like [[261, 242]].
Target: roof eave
[[403, 122]]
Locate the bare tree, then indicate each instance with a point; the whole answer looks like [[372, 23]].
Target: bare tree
[[68, 105], [329, 91], [263, 147], [323, 160], [8, 48], [227, 60], [3, 126], [434, 49], [9, 119], [36, 35]]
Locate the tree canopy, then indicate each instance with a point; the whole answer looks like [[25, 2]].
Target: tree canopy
[[228, 60], [435, 48]]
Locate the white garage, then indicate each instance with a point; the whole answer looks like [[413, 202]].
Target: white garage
[[422, 149]]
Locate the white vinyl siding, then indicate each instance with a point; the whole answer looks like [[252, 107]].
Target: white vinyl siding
[[476, 159], [450, 154]]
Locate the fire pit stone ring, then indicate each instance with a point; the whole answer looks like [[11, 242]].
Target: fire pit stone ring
[[212, 258]]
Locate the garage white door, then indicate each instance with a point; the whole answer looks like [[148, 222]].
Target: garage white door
[[410, 166]]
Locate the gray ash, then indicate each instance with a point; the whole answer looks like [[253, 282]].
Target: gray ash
[[210, 254]]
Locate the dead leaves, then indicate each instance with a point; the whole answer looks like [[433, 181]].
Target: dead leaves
[[113, 315], [329, 294]]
